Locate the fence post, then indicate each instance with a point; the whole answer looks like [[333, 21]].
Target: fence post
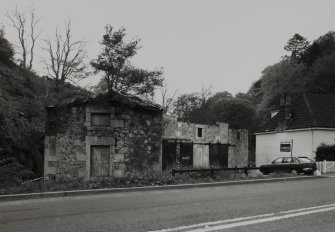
[[324, 166], [212, 173], [173, 172]]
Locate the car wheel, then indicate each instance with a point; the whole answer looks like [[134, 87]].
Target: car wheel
[[276, 172], [265, 172], [295, 172]]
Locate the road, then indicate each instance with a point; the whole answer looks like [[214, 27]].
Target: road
[[301, 205]]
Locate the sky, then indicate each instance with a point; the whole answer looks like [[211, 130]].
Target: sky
[[199, 43]]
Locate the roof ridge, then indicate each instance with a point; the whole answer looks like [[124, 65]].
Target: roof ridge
[[310, 111]]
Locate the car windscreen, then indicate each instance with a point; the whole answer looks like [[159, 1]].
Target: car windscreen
[[278, 161]]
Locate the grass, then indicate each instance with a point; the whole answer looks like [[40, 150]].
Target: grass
[[135, 179]]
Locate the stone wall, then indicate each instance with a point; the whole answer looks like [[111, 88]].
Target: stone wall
[[65, 154], [217, 133], [133, 134], [239, 149], [237, 140]]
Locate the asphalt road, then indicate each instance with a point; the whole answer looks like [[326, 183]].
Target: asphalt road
[[301, 205]]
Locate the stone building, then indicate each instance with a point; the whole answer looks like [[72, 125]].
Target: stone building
[[106, 136], [203, 146]]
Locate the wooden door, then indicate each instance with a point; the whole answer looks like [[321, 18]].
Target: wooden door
[[100, 161], [200, 156]]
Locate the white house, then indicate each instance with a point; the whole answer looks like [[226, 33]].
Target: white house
[[298, 128]]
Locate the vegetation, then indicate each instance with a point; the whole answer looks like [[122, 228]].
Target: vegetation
[[120, 75], [6, 49], [308, 68], [25, 27], [24, 96], [66, 60], [135, 179], [325, 152]]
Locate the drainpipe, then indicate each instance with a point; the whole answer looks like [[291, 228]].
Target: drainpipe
[[291, 149]]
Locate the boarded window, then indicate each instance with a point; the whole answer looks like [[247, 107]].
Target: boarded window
[[51, 163], [218, 155], [199, 132], [186, 154], [169, 154], [100, 119], [100, 161], [52, 145]]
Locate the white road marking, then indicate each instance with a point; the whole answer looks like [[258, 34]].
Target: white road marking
[[243, 221], [257, 221]]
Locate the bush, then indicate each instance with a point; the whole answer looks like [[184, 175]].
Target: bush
[[325, 152], [6, 49]]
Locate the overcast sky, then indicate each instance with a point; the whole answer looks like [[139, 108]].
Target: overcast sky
[[225, 44]]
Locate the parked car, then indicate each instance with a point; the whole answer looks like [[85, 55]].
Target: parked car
[[287, 164]]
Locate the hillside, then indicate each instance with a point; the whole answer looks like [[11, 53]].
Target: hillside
[[23, 98]]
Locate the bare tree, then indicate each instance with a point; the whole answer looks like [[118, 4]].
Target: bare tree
[[66, 57], [205, 94], [167, 100], [27, 35]]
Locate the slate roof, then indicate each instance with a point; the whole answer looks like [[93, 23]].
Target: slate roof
[[114, 98], [307, 111]]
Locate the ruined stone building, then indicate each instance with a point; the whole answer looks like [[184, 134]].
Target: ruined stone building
[[203, 146], [111, 135], [105, 136]]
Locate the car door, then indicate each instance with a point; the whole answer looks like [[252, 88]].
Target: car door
[[286, 164], [296, 165], [276, 165]]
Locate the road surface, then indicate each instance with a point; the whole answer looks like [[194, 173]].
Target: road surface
[[301, 205]]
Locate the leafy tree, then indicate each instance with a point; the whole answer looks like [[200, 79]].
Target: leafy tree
[[321, 78], [119, 74], [297, 45], [284, 77], [239, 113], [185, 106], [323, 46], [6, 49]]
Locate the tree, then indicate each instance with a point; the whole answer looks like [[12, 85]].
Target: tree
[[321, 78], [167, 100], [297, 45], [6, 49], [239, 113], [66, 57], [185, 105], [323, 46], [284, 77], [119, 74], [27, 35]]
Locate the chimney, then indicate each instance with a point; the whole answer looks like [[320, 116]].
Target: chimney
[[285, 108], [282, 100]]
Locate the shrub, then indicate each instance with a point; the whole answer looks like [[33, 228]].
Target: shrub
[[325, 152], [6, 49]]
